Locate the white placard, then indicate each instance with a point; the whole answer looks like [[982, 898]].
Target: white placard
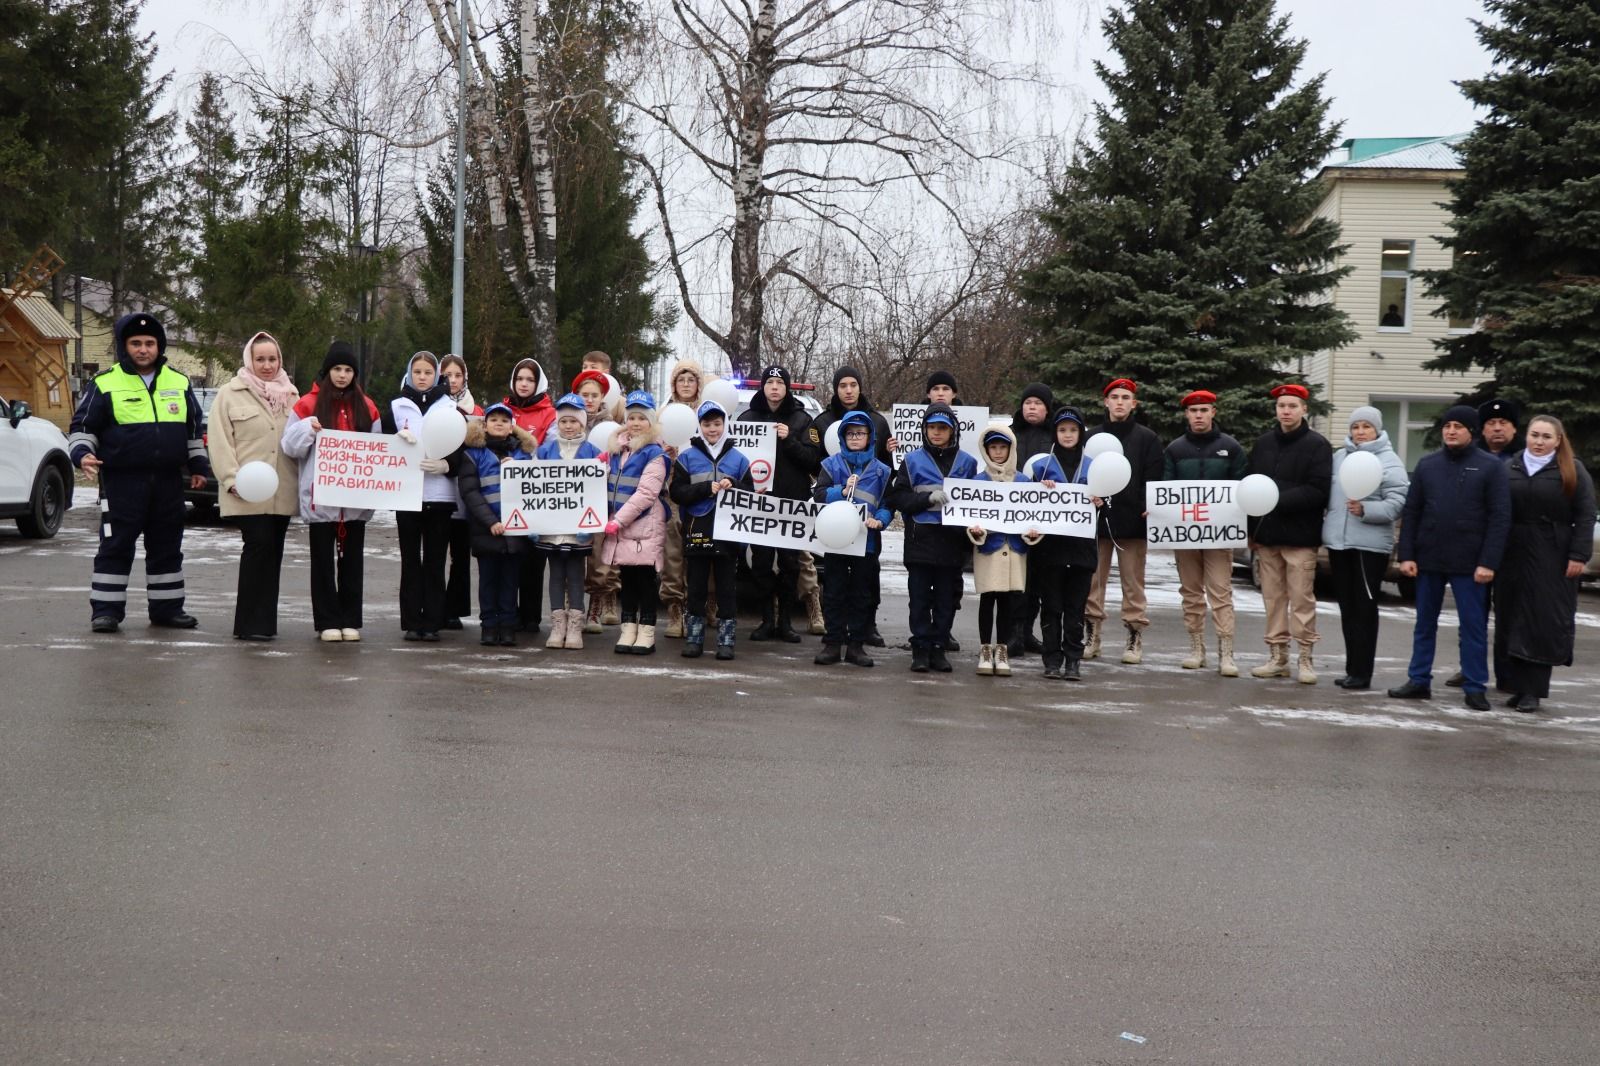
[[905, 426], [1194, 514], [776, 522], [366, 472], [1019, 506], [759, 443], [552, 496]]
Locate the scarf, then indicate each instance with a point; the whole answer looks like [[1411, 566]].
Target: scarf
[[1535, 463], [276, 394]]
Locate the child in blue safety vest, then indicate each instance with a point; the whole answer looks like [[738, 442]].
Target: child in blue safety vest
[[708, 467], [489, 443], [850, 583], [567, 554], [934, 553], [1062, 568], [999, 560], [637, 532]]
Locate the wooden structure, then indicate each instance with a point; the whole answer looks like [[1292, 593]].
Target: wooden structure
[[33, 342]]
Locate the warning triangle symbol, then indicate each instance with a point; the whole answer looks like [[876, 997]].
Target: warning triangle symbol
[[590, 520], [516, 523]]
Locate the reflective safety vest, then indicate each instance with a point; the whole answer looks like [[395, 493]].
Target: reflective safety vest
[[133, 403], [623, 481], [702, 470], [926, 476]]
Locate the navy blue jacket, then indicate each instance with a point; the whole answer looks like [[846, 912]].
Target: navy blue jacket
[[872, 481], [1457, 513]]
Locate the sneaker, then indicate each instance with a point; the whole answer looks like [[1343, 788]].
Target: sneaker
[[331, 635], [350, 634]]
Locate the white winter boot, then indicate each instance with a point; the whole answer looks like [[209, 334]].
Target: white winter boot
[[985, 660]]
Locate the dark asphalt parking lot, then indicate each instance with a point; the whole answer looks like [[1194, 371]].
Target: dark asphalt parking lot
[[215, 852]]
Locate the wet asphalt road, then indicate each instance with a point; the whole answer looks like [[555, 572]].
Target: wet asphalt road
[[213, 852]]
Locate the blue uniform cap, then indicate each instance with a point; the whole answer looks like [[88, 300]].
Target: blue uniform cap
[[1067, 414], [940, 416], [710, 408], [500, 408], [640, 398], [572, 400]]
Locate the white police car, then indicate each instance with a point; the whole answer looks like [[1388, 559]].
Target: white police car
[[35, 471]]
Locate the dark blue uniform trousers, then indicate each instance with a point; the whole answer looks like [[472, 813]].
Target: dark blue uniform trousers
[[935, 594], [849, 587], [135, 503]]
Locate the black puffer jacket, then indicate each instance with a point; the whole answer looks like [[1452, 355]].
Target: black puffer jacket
[[1034, 438], [799, 455], [1213, 456], [880, 426], [1124, 519], [1301, 463]]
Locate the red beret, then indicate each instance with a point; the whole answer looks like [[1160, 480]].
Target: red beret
[[1120, 383], [597, 376], [1292, 390], [1198, 396]]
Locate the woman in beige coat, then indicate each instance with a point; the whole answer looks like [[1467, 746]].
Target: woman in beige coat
[[245, 426], [999, 560]]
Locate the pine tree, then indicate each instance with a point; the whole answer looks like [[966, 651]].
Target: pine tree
[[1526, 231], [215, 172], [1188, 257]]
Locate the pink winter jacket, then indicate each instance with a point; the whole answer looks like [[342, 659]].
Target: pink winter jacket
[[643, 518]]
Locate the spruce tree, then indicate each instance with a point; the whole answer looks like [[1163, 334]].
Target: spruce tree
[[1526, 231], [1188, 257]]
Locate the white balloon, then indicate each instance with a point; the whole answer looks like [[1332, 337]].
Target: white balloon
[[1360, 475], [838, 524], [1100, 444], [443, 430], [600, 435], [677, 425], [830, 439], [1258, 495], [256, 482], [615, 388], [1031, 467], [722, 392], [1109, 474]]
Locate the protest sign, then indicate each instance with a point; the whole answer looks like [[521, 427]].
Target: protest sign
[[553, 496], [366, 471], [1018, 506], [776, 522], [905, 425], [759, 443], [1194, 514]]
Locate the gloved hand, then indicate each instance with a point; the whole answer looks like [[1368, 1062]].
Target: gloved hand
[[937, 498], [406, 435], [435, 466], [613, 528]]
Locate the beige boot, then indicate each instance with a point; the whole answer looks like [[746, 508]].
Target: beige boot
[[591, 622], [1091, 640], [813, 602], [1308, 673], [674, 620], [1133, 654], [644, 641], [1225, 664], [574, 640], [1277, 664], [626, 638], [610, 611], [1197, 652], [985, 660], [558, 630], [1002, 661]]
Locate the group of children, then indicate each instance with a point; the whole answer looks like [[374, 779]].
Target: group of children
[[656, 494]]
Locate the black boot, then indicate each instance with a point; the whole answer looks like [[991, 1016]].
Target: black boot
[[769, 626], [1014, 647], [919, 660], [855, 655], [508, 636], [785, 631], [937, 661], [874, 638], [489, 636], [828, 656], [1052, 670], [1071, 672]]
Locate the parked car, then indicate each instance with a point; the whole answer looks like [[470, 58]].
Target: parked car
[[35, 471], [203, 501]]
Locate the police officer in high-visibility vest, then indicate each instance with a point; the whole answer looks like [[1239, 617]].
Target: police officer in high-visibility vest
[[137, 429]]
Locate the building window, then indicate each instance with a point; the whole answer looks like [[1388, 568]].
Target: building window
[[1408, 423], [1394, 286]]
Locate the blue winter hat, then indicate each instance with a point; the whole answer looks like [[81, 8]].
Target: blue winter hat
[[640, 398], [500, 409], [853, 419], [710, 409], [572, 400]]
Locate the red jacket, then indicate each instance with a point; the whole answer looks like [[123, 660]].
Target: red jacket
[[537, 413]]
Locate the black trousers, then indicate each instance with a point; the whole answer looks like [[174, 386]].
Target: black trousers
[[996, 610], [849, 586], [640, 594], [1356, 577], [776, 571], [134, 504], [1526, 678], [458, 586], [424, 541], [530, 588], [336, 575], [255, 606], [699, 569], [1063, 591], [935, 595]]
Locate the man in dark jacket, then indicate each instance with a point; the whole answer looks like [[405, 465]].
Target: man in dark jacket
[[1122, 526], [1453, 532], [849, 394], [1035, 433], [799, 456], [1205, 453], [137, 430], [1300, 461], [1498, 435]]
